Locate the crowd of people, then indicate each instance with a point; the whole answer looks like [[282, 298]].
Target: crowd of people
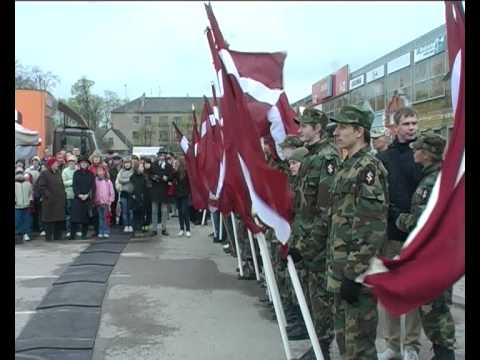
[[67, 195]]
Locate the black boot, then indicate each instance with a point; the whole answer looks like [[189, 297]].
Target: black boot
[[442, 353]]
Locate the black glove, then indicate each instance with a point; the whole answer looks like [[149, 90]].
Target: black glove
[[349, 291], [295, 254]]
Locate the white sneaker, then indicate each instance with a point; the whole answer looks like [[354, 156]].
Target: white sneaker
[[389, 354], [180, 233], [26, 237], [126, 229], [409, 354], [106, 236], [78, 233], [67, 235], [130, 228], [43, 233], [188, 234], [100, 236]]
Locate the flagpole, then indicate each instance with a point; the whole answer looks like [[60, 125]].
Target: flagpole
[[237, 247], [204, 217], [272, 286], [254, 255], [221, 227], [292, 271], [213, 224]]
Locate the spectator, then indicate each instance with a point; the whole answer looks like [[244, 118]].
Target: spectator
[[23, 203], [20, 163], [160, 175], [183, 197], [171, 189], [76, 152], [380, 141], [67, 177], [138, 197], [104, 196], [125, 188], [84, 191], [95, 161], [148, 194], [113, 170], [61, 160], [51, 189], [33, 172]]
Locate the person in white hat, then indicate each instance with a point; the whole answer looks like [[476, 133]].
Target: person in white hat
[[380, 141]]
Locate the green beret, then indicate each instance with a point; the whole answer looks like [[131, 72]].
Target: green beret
[[291, 141], [298, 154], [356, 115], [431, 142], [313, 116]]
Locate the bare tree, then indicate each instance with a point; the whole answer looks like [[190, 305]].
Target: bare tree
[[34, 78]]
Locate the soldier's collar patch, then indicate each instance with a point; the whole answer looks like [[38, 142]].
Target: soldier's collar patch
[[424, 194], [369, 175], [331, 167]]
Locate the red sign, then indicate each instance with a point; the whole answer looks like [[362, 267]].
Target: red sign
[[322, 89], [341, 81]]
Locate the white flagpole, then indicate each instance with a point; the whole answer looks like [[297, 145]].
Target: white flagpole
[[304, 308], [237, 247], [204, 217], [254, 255], [221, 227], [272, 285], [213, 224]]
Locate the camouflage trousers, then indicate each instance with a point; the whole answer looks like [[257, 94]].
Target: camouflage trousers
[[320, 302], [438, 322], [356, 326]]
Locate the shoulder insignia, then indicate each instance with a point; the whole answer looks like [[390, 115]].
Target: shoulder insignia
[[331, 167], [424, 194], [369, 175]]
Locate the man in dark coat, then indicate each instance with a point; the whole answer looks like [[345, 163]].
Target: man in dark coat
[[113, 169], [160, 175], [84, 191], [138, 197], [50, 186], [404, 176]]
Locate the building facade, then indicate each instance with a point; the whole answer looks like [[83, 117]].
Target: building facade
[[418, 69], [147, 121]]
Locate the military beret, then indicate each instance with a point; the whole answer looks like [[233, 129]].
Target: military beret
[[298, 154], [291, 141], [361, 115], [434, 143], [313, 116]]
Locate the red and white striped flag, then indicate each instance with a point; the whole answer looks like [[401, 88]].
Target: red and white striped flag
[[433, 257], [260, 76]]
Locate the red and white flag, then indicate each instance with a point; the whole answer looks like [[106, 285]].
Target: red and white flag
[[433, 257], [199, 191], [260, 76]]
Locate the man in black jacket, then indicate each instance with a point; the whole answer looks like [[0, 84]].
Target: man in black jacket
[[160, 175], [403, 177]]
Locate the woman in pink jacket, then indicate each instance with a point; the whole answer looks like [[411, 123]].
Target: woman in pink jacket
[[104, 196]]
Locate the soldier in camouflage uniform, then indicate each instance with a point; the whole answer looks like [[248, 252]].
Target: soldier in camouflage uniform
[[357, 233], [436, 317], [310, 244]]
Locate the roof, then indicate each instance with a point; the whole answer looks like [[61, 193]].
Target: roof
[[120, 135], [161, 105]]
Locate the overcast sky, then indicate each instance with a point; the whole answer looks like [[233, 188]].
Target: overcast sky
[[160, 47]]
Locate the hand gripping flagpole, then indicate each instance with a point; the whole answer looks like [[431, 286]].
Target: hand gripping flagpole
[[254, 255], [272, 286], [237, 247], [292, 271]]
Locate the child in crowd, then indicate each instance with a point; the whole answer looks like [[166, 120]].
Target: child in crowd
[[104, 196], [23, 202]]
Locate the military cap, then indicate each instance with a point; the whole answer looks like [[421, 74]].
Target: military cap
[[313, 116], [434, 143], [291, 141], [361, 115], [377, 132], [298, 154]]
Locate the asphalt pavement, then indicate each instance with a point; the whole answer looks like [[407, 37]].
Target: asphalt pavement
[[175, 298]]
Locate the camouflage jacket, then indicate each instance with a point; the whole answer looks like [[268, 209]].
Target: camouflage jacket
[[358, 217], [407, 221], [313, 201]]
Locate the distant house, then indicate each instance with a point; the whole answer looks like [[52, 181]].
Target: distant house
[[147, 121], [114, 140]]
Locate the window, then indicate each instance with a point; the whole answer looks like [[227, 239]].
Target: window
[[109, 142], [429, 75], [162, 119], [148, 120], [177, 119], [400, 80], [163, 135], [136, 119]]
